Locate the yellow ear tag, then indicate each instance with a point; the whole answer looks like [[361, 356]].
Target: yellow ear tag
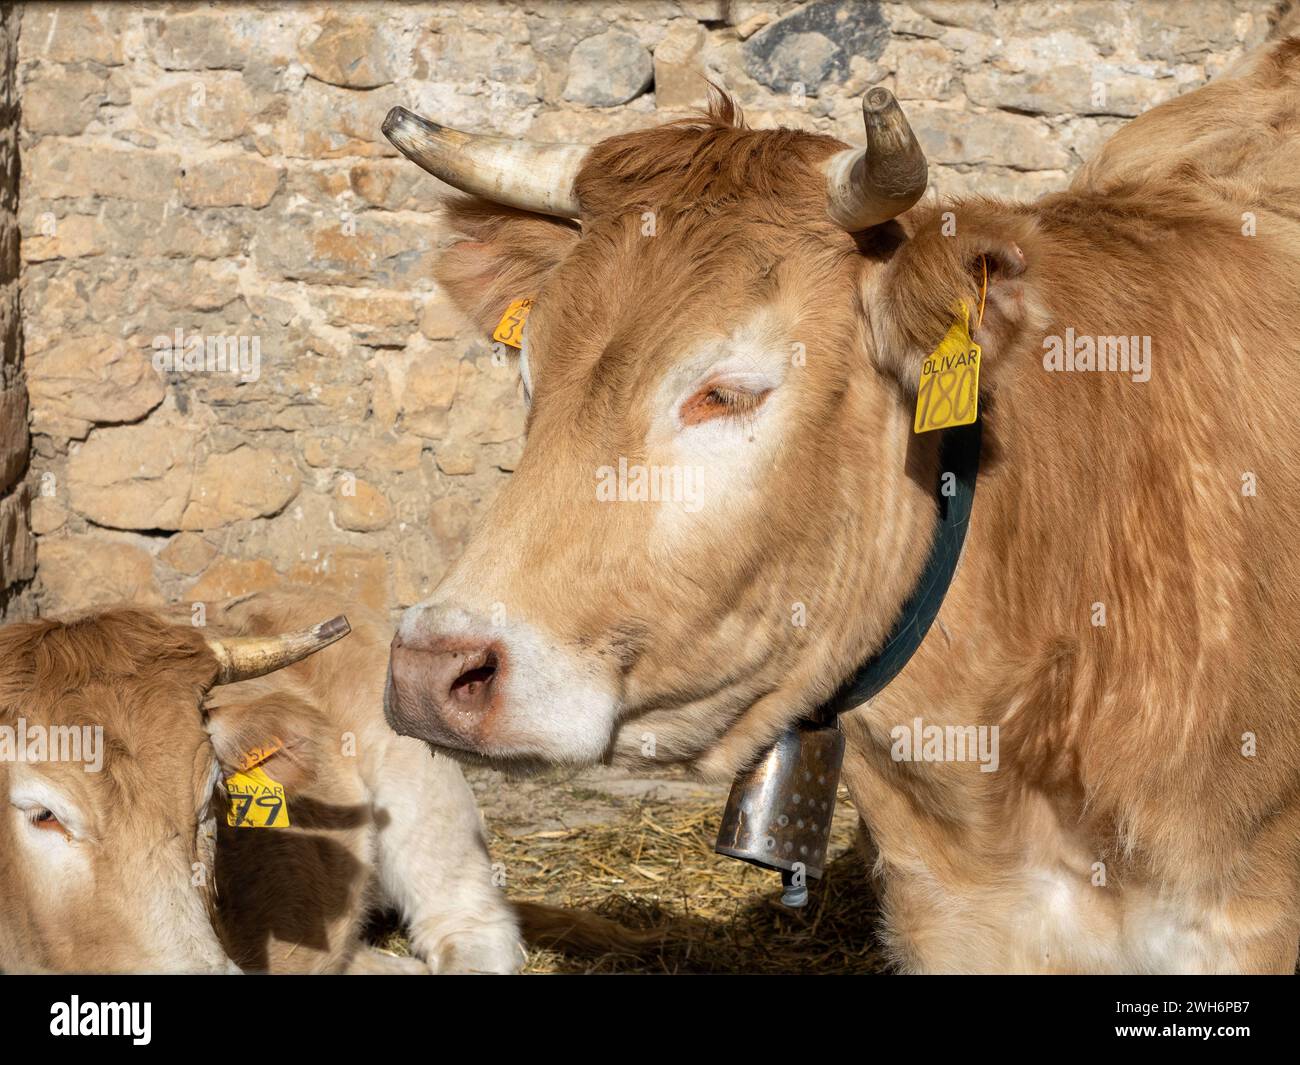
[[257, 755], [949, 389], [510, 330], [256, 801]]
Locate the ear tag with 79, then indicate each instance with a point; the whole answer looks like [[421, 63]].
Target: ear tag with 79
[[256, 801]]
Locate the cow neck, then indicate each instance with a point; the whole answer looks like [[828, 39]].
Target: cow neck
[[959, 455]]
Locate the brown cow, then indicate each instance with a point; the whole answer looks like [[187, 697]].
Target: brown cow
[[108, 856], [1125, 619]]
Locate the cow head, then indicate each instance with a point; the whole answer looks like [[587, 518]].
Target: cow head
[[108, 768], [720, 505]]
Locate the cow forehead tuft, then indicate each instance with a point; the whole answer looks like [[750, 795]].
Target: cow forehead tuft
[[703, 164], [118, 645]]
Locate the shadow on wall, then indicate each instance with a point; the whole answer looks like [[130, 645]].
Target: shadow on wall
[[17, 547]]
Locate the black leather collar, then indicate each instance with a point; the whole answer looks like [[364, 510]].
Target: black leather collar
[[959, 454]]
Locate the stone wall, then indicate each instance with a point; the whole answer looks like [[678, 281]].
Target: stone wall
[[218, 172], [17, 547]]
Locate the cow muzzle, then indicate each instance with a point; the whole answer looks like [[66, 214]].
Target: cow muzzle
[[444, 691], [502, 692]]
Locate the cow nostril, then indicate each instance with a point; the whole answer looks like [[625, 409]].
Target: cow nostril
[[443, 690], [472, 683]]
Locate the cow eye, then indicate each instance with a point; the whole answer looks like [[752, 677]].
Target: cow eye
[[43, 818], [721, 401]]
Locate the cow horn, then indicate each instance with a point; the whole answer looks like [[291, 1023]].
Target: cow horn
[[524, 174], [871, 185], [244, 657]]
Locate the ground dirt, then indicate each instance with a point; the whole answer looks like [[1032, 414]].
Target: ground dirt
[[638, 850]]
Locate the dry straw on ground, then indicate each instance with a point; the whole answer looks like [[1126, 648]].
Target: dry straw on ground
[[657, 870], [652, 867]]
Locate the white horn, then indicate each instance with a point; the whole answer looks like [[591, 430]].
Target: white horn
[[244, 657], [871, 185], [530, 176]]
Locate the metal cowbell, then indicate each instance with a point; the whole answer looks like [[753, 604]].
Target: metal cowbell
[[778, 814]]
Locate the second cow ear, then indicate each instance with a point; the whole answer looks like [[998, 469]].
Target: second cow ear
[[503, 255], [911, 299], [279, 723]]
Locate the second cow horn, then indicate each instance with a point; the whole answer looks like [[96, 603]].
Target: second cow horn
[[244, 657]]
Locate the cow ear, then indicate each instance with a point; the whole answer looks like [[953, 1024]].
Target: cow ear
[[912, 300], [999, 314], [502, 255], [277, 722]]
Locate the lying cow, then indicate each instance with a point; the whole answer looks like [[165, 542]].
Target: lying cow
[[114, 869], [1127, 609]]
